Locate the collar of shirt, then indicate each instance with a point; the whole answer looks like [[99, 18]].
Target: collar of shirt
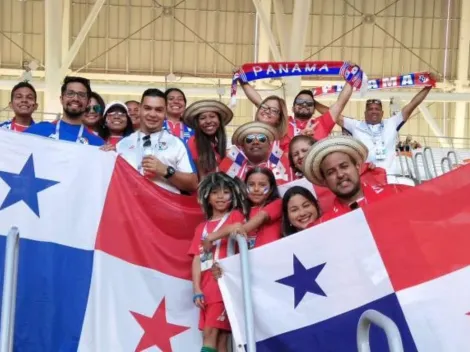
[[371, 194]]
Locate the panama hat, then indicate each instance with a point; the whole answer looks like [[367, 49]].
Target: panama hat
[[114, 104], [345, 144], [202, 106], [254, 127]]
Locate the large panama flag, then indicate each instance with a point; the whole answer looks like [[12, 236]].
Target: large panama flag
[[407, 257], [103, 263]]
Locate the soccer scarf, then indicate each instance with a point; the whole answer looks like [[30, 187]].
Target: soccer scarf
[[417, 79], [254, 71]]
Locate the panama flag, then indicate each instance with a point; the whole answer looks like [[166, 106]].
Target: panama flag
[[407, 257], [103, 260]]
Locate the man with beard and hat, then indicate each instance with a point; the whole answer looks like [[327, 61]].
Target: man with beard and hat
[[252, 147], [335, 163], [75, 96]]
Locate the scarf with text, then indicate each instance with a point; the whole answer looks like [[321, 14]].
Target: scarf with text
[[255, 71]]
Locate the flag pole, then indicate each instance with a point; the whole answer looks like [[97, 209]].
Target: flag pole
[[370, 317], [9, 290], [247, 297]]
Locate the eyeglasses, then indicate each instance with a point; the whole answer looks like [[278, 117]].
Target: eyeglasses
[[116, 113], [72, 93], [271, 110], [374, 101], [95, 108], [259, 137], [309, 103]]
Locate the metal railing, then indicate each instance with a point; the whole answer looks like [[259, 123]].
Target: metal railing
[[10, 279], [370, 317], [247, 296]]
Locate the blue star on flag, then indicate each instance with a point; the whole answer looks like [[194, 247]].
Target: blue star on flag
[[24, 186], [303, 280]]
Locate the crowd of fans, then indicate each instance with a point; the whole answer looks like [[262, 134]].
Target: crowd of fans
[[260, 187]]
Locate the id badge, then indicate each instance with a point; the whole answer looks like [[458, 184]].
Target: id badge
[[207, 260], [380, 153]]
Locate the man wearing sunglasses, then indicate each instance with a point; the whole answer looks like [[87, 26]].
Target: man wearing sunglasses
[[380, 135], [155, 153], [75, 97], [252, 147]]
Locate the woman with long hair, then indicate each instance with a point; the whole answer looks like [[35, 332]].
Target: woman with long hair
[[208, 119], [300, 210], [93, 118], [117, 123]]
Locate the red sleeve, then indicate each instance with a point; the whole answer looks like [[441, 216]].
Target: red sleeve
[[324, 127], [237, 216], [194, 249], [377, 176], [274, 210], [192, 148]]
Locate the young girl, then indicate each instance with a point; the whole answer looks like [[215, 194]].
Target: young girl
[[300, 210], [117, 123], [224, 202], [264, 224]]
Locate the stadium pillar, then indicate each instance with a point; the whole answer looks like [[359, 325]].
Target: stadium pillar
[[462, 72]]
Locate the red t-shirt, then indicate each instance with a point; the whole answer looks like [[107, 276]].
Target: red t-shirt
[[322, 130], [209, 285], [174, 128], [113, 140], [371, 194], [17, 127], [193, 150], [284, 143], [271, 230]]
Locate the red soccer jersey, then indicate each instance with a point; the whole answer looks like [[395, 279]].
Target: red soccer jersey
[[113, 140], [194, 153], [371, 194], [174, 128], [322, 130], [209, 285], [271, 230]]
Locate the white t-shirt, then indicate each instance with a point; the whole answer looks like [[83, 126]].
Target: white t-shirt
[[169, 149], [377, 138]]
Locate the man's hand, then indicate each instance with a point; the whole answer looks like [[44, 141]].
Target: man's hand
[[310, 129], [153, 167]]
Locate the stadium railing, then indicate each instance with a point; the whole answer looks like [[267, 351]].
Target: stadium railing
[[373, 317]]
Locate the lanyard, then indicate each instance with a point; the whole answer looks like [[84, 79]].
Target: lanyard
[[140, 151], [207, 259], [79, 139]]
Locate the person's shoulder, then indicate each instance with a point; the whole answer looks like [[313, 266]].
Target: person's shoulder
[[172, 140], [128, 141], [95, 140], [5, 124], [41, 128]]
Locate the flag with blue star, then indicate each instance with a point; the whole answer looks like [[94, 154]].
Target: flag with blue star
[[24, 186], [303, 280]]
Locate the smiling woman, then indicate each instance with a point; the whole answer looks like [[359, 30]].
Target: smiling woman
[[117, 123]]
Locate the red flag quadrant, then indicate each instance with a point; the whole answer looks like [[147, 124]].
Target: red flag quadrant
[[423, 233]]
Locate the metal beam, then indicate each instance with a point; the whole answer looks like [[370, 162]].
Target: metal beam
[[296, 49], [53, 54], [462, 67], [265, 19], [65, 27], [279, 18], [68, 59], [434, 126]]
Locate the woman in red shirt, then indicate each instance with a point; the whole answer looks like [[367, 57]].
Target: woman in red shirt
[[208, 119], [117, 123], [224, 203]]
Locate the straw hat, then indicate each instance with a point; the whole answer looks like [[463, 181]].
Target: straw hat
[[345, 144], [201, 106], [254, 127]]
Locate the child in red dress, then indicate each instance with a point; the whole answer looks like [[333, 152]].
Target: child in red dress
[[224, 202]]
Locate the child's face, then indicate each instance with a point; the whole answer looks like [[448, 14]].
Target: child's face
[[220, 199], [258, 188]]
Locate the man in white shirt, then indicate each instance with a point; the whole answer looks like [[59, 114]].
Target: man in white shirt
[[154, 152], [380, 135]]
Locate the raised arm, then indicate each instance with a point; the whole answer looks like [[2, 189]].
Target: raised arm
[[413, 104], [251, 93], [337, 108]]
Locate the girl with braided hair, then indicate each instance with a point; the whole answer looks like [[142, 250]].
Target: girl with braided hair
[[224, 202]]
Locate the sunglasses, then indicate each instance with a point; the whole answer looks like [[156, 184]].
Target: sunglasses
[[309, 103], [259, 137], [95, 108], [374, 101]]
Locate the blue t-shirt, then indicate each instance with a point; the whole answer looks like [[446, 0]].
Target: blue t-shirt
[[67, 132]]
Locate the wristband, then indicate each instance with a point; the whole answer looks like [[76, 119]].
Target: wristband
[[196, 296]]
